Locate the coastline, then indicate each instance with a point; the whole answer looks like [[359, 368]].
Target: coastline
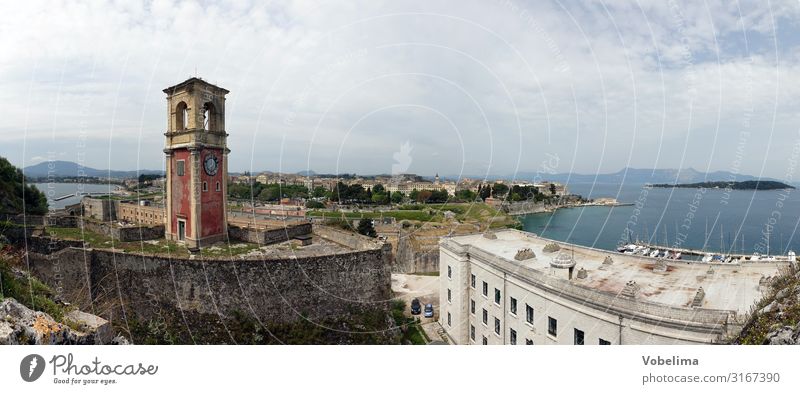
[[538, 209]]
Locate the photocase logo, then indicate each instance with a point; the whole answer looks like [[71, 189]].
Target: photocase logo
[[402, 159], [31, 367]]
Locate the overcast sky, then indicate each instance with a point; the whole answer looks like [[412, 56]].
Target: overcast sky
[[454, 87]]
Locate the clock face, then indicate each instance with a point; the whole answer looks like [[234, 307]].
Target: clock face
[[211, 164]]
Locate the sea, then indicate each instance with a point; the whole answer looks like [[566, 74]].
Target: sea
[[55, 190], [714, 220]]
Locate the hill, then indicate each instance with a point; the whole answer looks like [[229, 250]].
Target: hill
[[15, 195], [71, 169]]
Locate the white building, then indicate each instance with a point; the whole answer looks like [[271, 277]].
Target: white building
[[502, 288]]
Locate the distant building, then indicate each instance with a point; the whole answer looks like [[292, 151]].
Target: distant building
[[141, 212]]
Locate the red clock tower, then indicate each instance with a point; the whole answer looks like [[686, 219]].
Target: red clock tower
[[197, 163]]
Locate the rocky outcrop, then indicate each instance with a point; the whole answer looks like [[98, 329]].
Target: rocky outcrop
[[784, 335], [775, 320], [19, 325]]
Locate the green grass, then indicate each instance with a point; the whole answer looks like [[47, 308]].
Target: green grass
[[73, 233], [464, 212], [422, 216], [28, 291], [412, 332], [159, 247], [416, 335]]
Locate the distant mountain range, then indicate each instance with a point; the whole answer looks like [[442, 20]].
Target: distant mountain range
[[628, 175], [71, 169], [642, 176]]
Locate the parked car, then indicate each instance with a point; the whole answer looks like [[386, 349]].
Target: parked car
[[428, 310], [416, 308]]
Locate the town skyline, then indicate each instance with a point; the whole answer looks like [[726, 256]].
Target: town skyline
[[631, 175]]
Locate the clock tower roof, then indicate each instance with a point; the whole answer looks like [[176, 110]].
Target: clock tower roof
[[191, 82]]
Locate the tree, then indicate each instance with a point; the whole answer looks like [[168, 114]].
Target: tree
[[499, 190], [397, 197], [379, 198], [485, 192], [147, 178], [378, 189], [311, 204], [438, 196], [465, 195], [16, 196], [269, 194], [414, 195], [318, 191], [553, 189], [365, 227], [423, 195]]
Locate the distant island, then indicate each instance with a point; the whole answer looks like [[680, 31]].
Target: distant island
[[743, 185]]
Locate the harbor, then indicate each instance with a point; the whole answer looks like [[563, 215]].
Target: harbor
[[81, 194], [673, 253]]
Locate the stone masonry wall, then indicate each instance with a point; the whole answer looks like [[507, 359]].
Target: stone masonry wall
[[275, 290], [347, 238], [415, 259], [267, 237], [124, 234]]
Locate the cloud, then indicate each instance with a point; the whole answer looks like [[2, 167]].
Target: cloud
[[473, 86]]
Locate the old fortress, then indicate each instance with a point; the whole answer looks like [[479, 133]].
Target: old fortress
[[204, 258]]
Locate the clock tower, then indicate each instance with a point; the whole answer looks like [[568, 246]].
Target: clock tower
[[197, 163]]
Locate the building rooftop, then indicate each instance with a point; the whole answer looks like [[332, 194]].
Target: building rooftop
[[676, 283], [192, 81]]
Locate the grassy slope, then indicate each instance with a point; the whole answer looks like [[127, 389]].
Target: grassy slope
[[27, 290], [464, 212], [761, 323]]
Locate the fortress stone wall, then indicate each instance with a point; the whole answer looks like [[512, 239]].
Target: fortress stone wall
[[270, 236], [124, 287]]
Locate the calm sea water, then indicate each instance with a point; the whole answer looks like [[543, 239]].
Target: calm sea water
[[714, 220], [55, 190]]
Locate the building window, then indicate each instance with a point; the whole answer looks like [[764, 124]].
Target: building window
[[205, 186], [209, 112], [472, 281], [219, 188], [472, 306], [578, 337], [528, 313], [449, 272], [448, 319], [513, 306], [497, 296], [497, 326], [552, 326], [181, 167], [485, 289], [604, 342], [485, 317], [448, 295], [485, 340], [181, 116], [471, 332], [528, 341], [512, 336]]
